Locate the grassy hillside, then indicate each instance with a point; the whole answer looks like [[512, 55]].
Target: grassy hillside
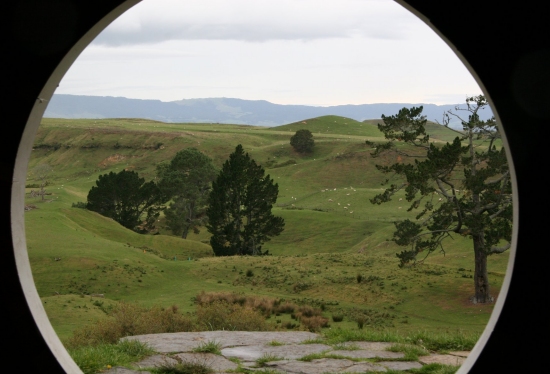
[[332, 233]]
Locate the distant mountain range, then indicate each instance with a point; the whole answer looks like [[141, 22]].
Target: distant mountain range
[[225, 110]]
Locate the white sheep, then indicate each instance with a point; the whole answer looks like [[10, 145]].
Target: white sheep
[[345, 207], [330, 200]]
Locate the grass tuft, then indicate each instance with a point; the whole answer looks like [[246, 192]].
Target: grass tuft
[[183, 368], [412, 352], [267, 357], [92, 359], [209, 347]]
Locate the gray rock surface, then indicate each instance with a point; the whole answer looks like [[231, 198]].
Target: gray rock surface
[[247, 347], [320, 366], [290, 352], [216, 362], [187, 341], [400, 365], [442, 359], [368, 354], [156, 361]]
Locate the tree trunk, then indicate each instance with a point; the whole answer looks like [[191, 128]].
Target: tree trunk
[[185, 232], [189, 219], [481, 279]]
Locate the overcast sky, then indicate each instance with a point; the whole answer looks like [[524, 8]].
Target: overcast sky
[[311, 52]]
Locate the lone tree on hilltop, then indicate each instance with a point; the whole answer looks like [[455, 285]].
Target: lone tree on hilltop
[[464, 187], [302, 141], [239, 208], [186, 180], [126, 198]]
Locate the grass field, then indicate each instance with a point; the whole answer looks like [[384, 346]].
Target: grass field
[[333, 234]]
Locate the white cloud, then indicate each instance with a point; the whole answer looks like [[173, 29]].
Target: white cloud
[[154, 21], [312, 52]]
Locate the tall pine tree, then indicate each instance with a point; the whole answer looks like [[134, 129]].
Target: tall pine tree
[[463, 187], [239, 207], [186, 180]]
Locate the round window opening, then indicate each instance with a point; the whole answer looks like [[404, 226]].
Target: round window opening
[[215, 168]]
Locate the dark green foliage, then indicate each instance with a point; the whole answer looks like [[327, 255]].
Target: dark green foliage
[[79, 204], [126, 198], [186, 180], [464, 186], [302, 141], [239, 207]]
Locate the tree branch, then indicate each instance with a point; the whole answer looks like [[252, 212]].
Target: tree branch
[[500, 249]]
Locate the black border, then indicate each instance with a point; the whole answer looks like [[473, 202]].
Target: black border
[[507, 46]]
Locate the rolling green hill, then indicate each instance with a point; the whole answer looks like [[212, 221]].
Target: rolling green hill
[[332, 232]]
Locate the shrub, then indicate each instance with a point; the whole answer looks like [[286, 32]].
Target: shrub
[[314, 323], [285, 307], [308, 311], [128, 319], [289, 325], [221, 315], [337, 318]]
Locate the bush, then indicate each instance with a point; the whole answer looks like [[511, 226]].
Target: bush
[[289, 325], [337, 318], [128, 319], [360, 321], [314, 323], [285, 307], [221, 315]]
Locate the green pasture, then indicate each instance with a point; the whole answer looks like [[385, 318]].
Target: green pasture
[[333, 234]]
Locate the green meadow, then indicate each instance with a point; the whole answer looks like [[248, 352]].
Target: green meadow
[[334, 253]]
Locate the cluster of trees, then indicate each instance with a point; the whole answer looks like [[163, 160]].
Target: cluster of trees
[[234, 204], [462, 188]]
